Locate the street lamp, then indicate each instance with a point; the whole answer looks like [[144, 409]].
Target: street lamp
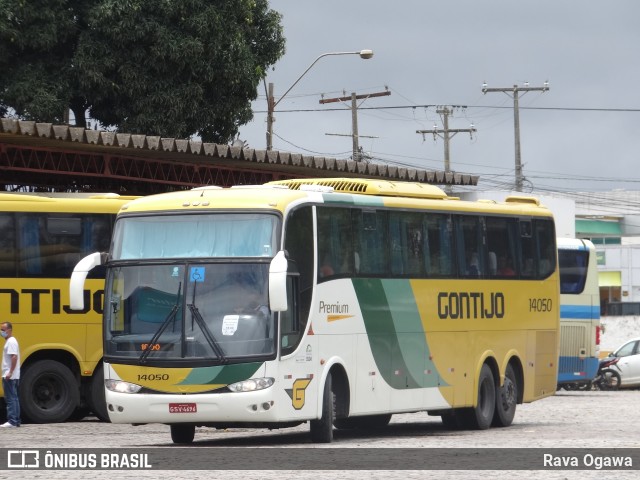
[[272, 104]]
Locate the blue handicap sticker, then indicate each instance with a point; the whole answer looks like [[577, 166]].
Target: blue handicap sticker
[[196, 274]]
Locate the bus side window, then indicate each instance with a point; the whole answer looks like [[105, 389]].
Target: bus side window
[[370, 241], [469, 246], [438, 231], [7, 246], [298, 242], [291, 329], [501, 241], [335, 241], [547, 251], [527, 251]]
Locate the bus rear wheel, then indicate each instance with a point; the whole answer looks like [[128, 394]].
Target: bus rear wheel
[[49, 392], [506, 399], [481, 416], [181, 433]]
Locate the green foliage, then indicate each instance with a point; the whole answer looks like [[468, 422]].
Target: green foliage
[[173, 68]]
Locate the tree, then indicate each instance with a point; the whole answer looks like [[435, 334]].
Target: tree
[[173, 68]]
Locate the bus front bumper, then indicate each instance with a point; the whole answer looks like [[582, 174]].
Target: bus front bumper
[[249, 407]]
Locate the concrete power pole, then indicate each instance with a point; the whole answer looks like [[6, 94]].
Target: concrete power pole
[[446, 133], [354, 115], [270, 108], [515, 93]]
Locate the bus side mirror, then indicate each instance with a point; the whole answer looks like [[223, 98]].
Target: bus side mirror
[[79, 275], [278, 283]]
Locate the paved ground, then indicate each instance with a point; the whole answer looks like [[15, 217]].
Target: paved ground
[[586, 420]]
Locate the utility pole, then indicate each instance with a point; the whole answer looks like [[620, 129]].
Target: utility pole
[[271, 102], [514, 92], [354, 115], [446, 133]]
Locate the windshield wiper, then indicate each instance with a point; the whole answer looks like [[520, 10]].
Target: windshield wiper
[[208, 335], [170, 317]]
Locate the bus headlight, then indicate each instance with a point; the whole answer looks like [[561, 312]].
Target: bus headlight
[[251, 385], [121, 387]]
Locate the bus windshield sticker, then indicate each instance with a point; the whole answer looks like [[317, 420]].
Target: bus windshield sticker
[[196, 274], [230, 324]]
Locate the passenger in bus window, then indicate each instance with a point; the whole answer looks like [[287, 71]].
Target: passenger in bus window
[[473, 268], [505, 266], [326, 270]]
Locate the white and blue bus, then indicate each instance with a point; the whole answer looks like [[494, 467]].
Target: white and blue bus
[[579, 313]]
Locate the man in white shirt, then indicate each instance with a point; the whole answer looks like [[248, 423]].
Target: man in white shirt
[[10, 375]]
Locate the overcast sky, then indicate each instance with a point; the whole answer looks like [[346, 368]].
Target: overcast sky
[[582, 134]]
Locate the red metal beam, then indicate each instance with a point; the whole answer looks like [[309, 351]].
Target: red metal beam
[[25, 164]]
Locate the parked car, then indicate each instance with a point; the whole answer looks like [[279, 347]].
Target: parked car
[[628, 364]]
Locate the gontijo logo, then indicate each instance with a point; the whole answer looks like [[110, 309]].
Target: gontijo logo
[[297, 393]]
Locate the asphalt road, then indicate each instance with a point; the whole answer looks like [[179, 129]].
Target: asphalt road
[[569, 420]]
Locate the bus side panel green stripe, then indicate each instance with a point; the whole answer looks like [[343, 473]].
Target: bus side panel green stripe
[[383, 338], [410, 333], [222, 374]]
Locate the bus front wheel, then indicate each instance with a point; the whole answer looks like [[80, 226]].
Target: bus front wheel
[[181, 433], [97, 399], [49, 392], [322, 429], [481, 416]]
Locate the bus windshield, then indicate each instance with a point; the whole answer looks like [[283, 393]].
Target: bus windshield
[[192, 236], [205, 313], [573, 270]]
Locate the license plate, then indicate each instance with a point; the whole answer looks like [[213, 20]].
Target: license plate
[[183, 408]]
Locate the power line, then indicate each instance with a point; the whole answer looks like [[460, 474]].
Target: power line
[[494, 107]]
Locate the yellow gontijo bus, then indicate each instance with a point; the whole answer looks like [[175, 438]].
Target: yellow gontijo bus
[[43, 237], [336, 302]]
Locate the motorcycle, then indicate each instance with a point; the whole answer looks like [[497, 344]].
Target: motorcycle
[[608, 376]]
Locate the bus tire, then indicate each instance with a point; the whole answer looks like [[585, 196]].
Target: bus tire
[[506, 399], [182, 433], [481, 416], [97, 399], [49, 392], [322, 429]]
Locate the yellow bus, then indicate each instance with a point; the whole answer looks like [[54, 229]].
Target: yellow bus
[[43, 237], [336, 302]]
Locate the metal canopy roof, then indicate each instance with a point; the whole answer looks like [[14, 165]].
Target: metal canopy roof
[[50, 155]]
